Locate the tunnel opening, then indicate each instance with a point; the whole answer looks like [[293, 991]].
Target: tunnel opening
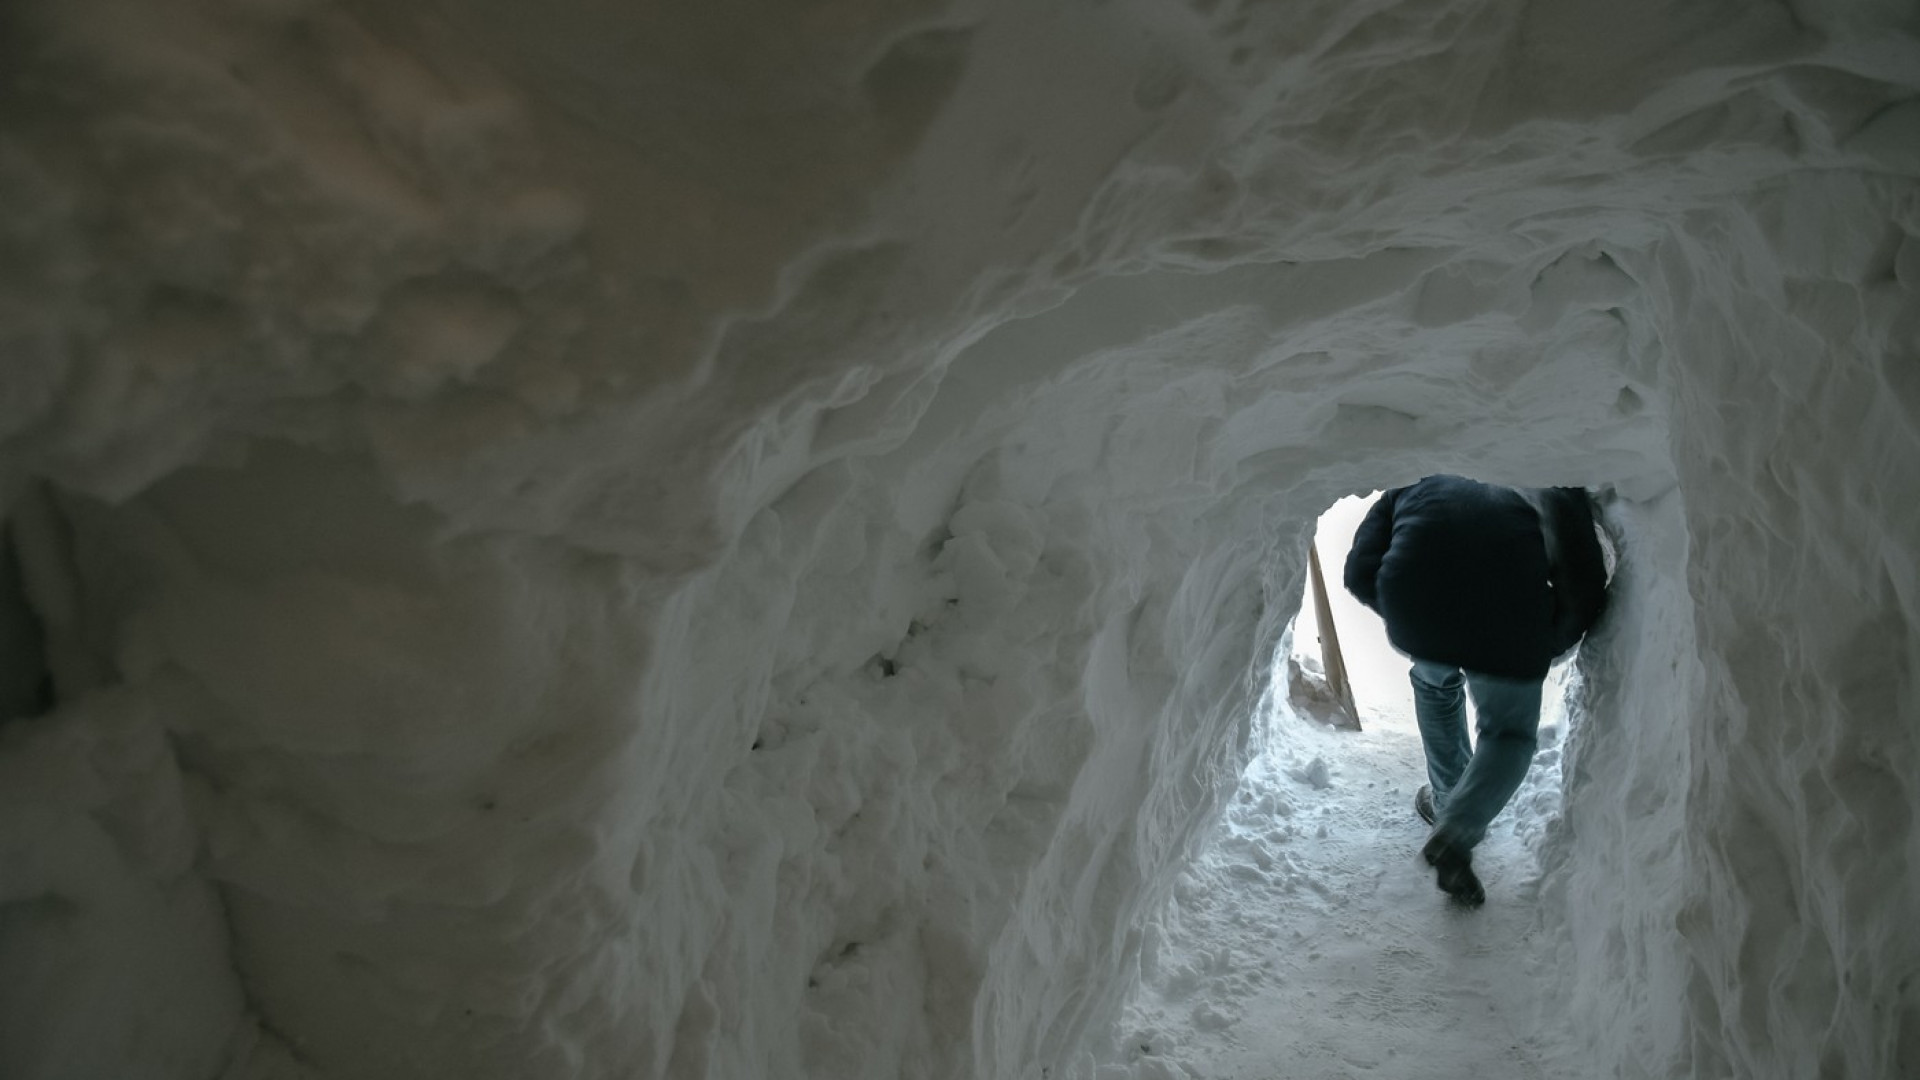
[[1375, 671], [1306, 930]]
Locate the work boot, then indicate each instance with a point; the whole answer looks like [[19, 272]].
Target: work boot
[[1453, 871], [1423, 803]]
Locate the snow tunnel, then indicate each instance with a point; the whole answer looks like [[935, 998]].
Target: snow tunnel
[[589, 541]]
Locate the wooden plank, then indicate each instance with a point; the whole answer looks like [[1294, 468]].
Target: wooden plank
[[1331, 661]]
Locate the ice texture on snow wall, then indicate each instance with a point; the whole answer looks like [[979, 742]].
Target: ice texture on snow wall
[[588, 541]]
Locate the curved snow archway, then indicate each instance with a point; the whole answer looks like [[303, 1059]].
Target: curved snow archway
[[739, 543]]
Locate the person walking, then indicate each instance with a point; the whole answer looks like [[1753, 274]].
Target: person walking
[[1483, 587]]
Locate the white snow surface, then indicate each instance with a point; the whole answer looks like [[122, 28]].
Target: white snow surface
[[745, 539], [1305, 940]]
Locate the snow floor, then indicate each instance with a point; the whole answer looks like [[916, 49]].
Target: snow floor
[[1308, 940]]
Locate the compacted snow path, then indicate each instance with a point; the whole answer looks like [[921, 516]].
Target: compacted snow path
[[1309, 941]]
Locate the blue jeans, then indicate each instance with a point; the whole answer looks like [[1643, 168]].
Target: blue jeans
[[1472, 785]]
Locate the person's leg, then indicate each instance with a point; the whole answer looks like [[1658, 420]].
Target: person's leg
[[1440, 707], [1508, 713]]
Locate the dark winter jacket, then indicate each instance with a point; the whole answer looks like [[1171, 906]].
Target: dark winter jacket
[[1461, 573]]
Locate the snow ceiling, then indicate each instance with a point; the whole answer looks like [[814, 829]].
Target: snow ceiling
[[738, 539]]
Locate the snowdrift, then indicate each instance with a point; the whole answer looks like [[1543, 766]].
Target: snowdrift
[[741, 541]]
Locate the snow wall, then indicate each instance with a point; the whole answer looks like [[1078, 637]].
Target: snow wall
[[738, 540]]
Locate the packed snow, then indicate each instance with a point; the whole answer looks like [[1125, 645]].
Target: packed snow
[[747, 539], [1306, 940]]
